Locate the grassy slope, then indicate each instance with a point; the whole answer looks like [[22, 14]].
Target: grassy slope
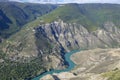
[[112, 75], [89, 15], [17, 70]]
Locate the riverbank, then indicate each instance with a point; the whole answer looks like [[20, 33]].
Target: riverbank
[[91, 65]]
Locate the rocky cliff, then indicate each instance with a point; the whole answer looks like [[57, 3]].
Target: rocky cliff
[[72, 36]]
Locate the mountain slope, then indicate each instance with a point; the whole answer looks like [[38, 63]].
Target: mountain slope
[[41, 1], [4, 0], [90, 16], [14, 15]]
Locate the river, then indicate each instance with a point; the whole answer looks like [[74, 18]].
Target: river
[[67, 58]]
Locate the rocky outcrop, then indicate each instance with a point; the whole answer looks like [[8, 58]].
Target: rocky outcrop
[[59, 76], [48, 77], [54, 62]]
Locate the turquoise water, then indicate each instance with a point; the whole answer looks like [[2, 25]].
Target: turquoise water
[[67, 58]]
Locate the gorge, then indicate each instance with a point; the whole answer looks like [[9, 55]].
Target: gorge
[[42, 41]]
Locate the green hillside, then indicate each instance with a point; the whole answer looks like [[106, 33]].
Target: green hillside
[[113, 75], [14, 15], [91, 16]]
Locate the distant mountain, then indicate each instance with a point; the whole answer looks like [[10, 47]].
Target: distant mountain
[[40, 1], [49, 0], [4, 0], [14, 15], [90, 16]]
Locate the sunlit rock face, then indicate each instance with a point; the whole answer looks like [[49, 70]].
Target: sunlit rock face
[[75, 36]]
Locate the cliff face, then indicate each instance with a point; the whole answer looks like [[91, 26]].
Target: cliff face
[[76, 36], [13, 15]]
